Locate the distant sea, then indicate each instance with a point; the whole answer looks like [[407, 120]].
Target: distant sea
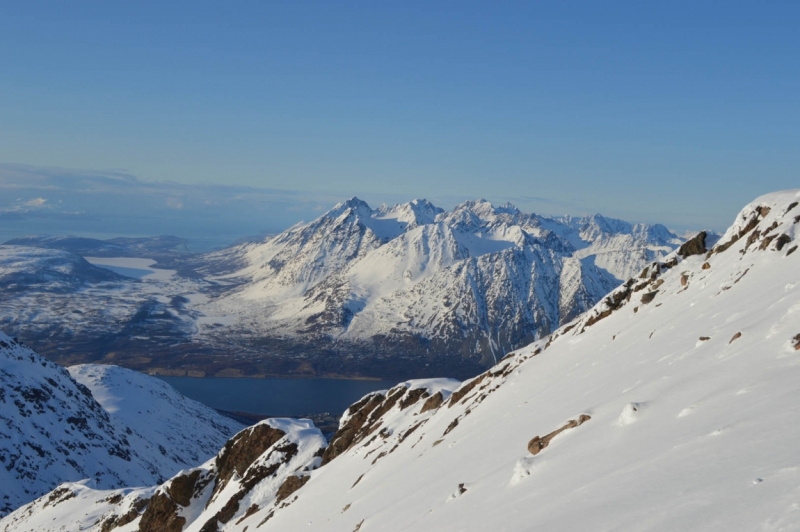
[[276, 397]]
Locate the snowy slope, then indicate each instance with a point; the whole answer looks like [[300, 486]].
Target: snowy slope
[[184, 431], [54, 430], [671, 405], [474, 282]]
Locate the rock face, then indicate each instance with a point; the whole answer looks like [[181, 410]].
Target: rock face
[[54, 430], [694, 246]]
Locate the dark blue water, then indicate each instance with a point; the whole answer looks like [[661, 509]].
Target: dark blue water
[[276, 397]]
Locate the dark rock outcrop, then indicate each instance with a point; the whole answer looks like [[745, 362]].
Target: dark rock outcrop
[[433, 402], [760, 213], [464, 390], [242, 450], [352, 430], [694, 246], [290, 485], [161, 515]]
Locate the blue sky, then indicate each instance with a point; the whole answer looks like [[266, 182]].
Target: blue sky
[[678, 113]]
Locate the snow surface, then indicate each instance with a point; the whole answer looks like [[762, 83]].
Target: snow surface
[[675, 414], [187, 430]]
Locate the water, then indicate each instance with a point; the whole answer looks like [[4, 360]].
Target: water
[[276, 397]]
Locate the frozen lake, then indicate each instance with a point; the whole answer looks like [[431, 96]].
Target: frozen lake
[[132, 267]]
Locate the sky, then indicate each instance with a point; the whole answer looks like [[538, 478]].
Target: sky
[[672, 112]]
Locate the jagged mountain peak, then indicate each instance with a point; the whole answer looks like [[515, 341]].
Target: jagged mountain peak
[[353, 203], [411, 214]]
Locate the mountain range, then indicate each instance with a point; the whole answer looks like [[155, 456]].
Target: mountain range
[[670, 404], [389, 292]]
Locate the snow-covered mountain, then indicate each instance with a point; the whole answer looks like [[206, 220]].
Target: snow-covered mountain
[[474, 282], [385, 292], [670, 405], [110, 425]]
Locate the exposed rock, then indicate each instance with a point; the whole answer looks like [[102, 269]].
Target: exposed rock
[[410, 431], [694, 246], [290, 485], [791, 250], [538, 443], [453, 424], [464, 390], [648, 297], [161, 515], [684, 279], [116, 521], [706, 266], [735, 337], [181, 488], [433, 402], [242, 450], [594, 318], [352, 430], [752, 238], [705, 338], [412, 397], [766, 242], [782, 241], [760, 213], [796, 341]]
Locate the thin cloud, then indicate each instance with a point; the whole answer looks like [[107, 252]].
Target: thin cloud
[[35, 202]]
